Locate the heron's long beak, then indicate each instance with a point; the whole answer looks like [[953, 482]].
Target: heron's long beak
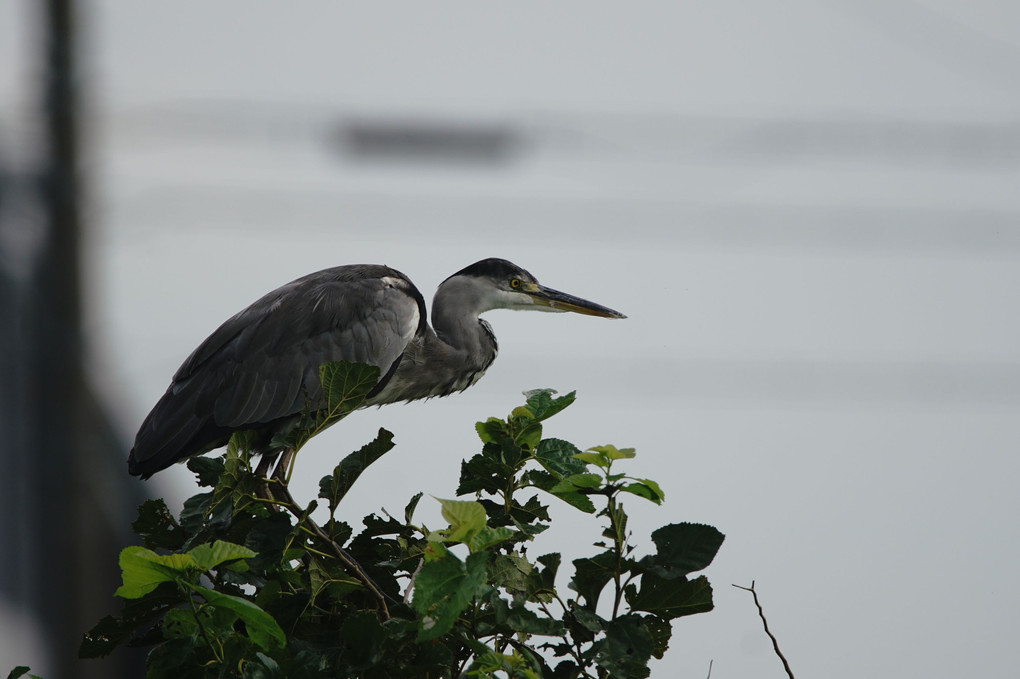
[[561, 301]]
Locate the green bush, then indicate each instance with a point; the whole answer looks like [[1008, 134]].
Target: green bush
[[245, 584]]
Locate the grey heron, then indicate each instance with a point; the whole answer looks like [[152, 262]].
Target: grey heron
[[260, 369]]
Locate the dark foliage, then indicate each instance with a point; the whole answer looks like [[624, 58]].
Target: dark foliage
[[244, 586]]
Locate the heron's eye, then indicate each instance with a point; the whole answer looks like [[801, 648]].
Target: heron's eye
[[515, 283]]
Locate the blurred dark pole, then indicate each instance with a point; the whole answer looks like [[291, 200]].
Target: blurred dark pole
[[56, 383], [70, 500]]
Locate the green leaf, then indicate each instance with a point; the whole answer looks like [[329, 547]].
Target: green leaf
[[518, 664], [522, 414], [264, 668], [521, 619], [207, 469], [529, 436], [268, 537], [617, 528], [238, 484], [409, 509], [209, 556], [443, 589], [558, 457], [193, 512], [435, 551], [345, 386], [613, 453], [542, 404], [364, 640], [645, 488], [510, 453], [661, 632], [527, 531], [542, 583], [592, 458], [588, 619], [333, 488], [567, 490], [487, 536], [105, 636], [683, 548], [157, 527], [18, 671], [137, 614], [170, 658], [484, 472], [531, 511], [510, 572], [592, 575], [627, 648], [575, 482], [242, 442], [493, 430], [142, 570], [180, 623], [465, 518], [567, 493], [578, 501], [262, 628], [468, 525], [671, 598]]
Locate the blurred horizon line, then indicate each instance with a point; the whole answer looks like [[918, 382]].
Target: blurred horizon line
[[687, 137]]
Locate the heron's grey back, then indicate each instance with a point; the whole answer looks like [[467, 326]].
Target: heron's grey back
[[262, 364]]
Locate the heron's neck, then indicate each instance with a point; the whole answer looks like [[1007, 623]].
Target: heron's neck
[[448, 359], [469, 340]]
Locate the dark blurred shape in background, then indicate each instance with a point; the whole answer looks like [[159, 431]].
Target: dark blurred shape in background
[[434, 141], [64, 494]]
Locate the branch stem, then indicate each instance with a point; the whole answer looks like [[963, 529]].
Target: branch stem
[[765, 624], [287, 501]]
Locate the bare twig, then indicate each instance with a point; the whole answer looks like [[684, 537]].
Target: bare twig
[[765, 624], [709, 669], [410, 584]]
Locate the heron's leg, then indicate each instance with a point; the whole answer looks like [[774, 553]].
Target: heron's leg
[[282, 471], [268, 458], [276, 483], [262, 472]]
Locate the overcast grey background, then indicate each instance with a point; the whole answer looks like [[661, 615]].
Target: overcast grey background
[[809, 210]]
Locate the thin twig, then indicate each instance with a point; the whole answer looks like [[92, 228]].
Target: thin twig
[[201, 628], [709, 669], [339, 551], [765, 624], [279, 494], [410, 584], [276, 492]]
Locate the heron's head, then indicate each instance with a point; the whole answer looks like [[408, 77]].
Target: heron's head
[[498, 284]]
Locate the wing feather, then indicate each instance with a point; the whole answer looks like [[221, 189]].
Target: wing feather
[[262, 365]]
